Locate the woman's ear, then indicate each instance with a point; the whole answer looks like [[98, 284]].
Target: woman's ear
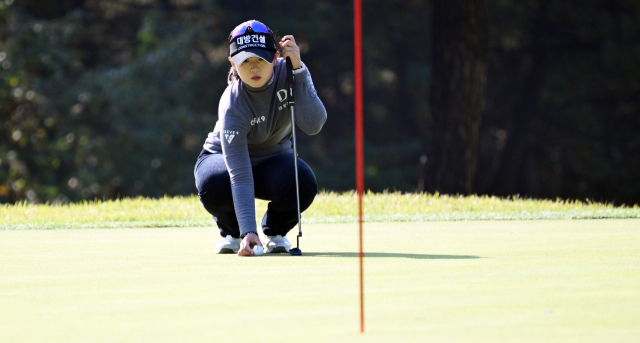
[[275, 58], [230, 60]]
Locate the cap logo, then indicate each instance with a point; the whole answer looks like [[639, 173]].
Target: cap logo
[[252, 39]]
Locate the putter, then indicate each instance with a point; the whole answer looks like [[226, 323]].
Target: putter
[[295, 251]]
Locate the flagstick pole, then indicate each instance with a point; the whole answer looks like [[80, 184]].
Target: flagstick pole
[[357, 13]]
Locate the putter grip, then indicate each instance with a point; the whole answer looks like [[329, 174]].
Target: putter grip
[[289, 73]]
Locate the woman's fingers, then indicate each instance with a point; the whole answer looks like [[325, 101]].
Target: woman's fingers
[[248, 243], [245, 251], [245, 248], [256, 242], [291, 49], [288, 44], [288, 38]]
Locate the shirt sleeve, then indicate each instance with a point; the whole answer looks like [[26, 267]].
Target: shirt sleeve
[[310, 112], [233, 135]]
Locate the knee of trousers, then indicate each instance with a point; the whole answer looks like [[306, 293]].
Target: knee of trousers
[[216, 203], [286, 197], [216, 195], [308, 192]]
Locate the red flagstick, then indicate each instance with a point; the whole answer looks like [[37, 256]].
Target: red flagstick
[[357, 22]]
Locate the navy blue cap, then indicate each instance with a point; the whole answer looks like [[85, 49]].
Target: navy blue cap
[[252, 44]]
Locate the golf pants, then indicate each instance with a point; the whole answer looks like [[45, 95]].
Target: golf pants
[[273, 180]]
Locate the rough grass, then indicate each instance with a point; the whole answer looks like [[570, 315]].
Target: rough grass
[[328, 207]]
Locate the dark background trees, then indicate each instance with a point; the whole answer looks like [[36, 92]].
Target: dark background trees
[[115, 98], [459, 67]]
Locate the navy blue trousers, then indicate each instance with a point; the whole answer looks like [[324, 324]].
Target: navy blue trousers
[[274, 181]]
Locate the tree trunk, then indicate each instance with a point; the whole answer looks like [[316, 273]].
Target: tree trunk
[[460, 50]]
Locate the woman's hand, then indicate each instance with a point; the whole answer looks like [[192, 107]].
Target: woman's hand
[[292, 50], [247, 244]]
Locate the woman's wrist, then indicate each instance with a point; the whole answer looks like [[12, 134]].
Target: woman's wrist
[[299, 70], [247, 233]]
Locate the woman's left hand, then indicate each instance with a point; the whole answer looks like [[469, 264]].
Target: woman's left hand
[[292, 50], [247, 244]]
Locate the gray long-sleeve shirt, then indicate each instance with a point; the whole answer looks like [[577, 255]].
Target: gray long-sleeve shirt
[[255, 124]]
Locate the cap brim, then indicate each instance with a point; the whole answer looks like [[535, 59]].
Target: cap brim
[[261, 53]]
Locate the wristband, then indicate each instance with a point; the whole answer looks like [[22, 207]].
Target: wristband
[[246, 233]]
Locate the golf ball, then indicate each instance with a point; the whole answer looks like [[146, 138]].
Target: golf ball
[[258, 250]]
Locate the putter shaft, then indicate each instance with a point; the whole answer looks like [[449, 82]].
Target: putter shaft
[[290, 78]]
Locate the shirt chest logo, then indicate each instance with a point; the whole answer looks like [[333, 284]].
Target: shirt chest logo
[[257, 120], [282, 96], [229, 135]]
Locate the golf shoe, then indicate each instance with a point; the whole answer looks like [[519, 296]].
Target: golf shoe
[[228, 245], [277, 244]]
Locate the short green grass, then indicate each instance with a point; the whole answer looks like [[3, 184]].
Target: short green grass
[[328, 207], [447, 281]]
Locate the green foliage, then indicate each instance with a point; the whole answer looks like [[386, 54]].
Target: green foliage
[[114, 98], [130, 125]]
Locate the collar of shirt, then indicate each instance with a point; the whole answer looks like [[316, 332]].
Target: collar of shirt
[[265, 86]]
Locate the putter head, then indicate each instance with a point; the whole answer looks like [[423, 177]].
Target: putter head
[[295, 252]]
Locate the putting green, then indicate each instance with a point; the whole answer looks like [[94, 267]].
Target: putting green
[[482, 281]]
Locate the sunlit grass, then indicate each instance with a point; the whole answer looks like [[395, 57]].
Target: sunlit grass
[[328, 207], [476, 281]]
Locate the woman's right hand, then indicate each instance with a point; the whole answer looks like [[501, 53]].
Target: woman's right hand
[[247, 244]]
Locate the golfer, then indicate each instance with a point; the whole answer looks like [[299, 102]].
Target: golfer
[[249, 154]]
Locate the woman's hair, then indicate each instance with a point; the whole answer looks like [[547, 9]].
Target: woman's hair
[[233, 73]]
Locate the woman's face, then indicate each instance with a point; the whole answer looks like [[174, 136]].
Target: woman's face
[[255, 71]]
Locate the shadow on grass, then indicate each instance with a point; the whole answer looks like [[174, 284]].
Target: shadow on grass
[[389, 255]]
